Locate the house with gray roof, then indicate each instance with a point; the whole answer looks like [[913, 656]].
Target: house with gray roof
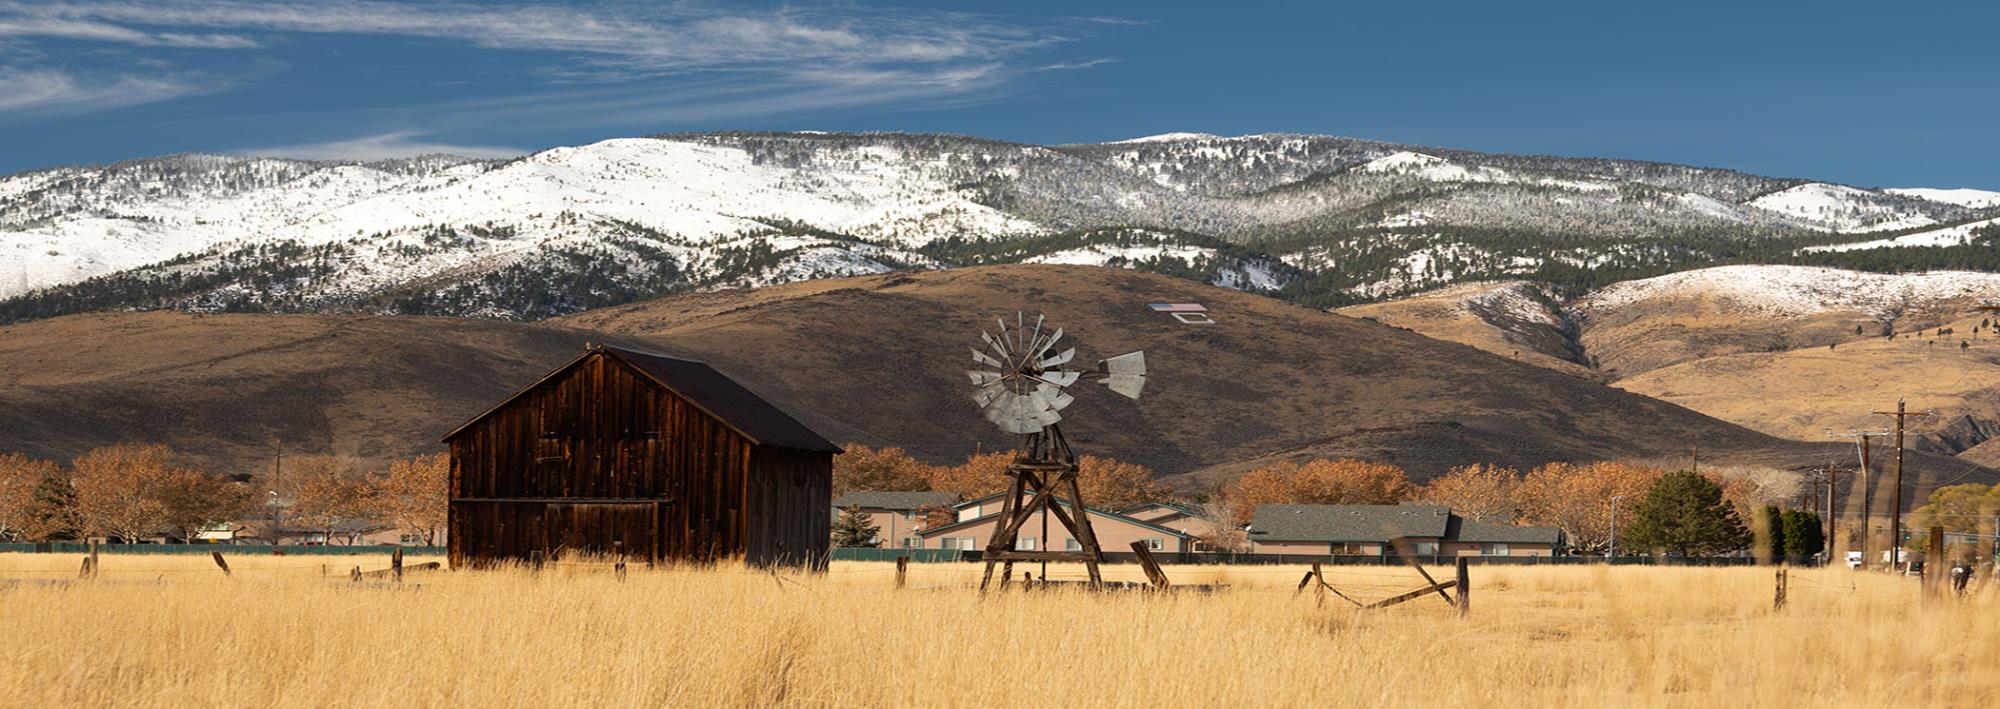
[[898, 515], [979, 518], [1375, 530]]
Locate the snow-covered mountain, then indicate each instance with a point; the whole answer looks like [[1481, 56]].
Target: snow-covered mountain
[[1319, 219]]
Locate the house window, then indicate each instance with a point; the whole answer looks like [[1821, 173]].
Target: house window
[[1427, 548], [955, 543], [1072, 545], [1156, 543], [1024, 544], [1348, 548], [913, 542], [1493, 549]]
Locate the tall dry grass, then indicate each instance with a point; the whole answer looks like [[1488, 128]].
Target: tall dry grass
[[172, 631]]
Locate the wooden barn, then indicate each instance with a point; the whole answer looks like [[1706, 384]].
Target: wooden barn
[[665, 457]]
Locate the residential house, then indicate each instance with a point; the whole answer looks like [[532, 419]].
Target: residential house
[[977, 520], [1173, 515], [898, 516], [1376, 530]]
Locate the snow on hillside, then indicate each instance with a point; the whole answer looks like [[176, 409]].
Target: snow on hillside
[[1841, 208], [1511, 300], [1171, 137], [1800, 290], [1948, 236], [1244, 276], [1431, 167], [1976, 199], [628, 218]]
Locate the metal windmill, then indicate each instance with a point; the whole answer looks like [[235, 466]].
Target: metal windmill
[[1022, 389]]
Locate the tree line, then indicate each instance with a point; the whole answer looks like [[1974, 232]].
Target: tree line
[[132, 491], [1654, 510]]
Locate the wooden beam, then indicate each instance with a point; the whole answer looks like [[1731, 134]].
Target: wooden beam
[[1419, 593], [1153, 572]]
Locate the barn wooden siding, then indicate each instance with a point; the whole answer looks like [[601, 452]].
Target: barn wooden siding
[[600, 453]]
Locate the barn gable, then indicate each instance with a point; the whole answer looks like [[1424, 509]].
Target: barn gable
[[701, 385]]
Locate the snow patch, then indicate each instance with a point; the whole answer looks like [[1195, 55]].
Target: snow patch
[[1964, 197], [1800, 290], [1840, 208]]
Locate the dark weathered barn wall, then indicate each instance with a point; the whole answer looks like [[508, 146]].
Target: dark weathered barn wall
[[599, 452], [784, 481]]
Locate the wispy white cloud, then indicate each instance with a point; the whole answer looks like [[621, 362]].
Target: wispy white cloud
[[56, 92], [639, 64], [666, 37], [67, 28], [394, 144]]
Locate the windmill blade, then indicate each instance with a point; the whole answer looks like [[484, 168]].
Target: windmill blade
[[981, 378], [1053, 339], [980, 357], [1057, 360], [1054, 396], [999, 345], [1035, 341], [985, 395]]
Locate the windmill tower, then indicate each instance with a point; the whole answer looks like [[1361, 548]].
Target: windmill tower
[[1021, 389]]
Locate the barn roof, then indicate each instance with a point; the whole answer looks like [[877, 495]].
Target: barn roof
[[711, 391]]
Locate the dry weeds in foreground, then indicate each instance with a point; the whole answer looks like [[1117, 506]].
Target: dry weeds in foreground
[[172, 631]]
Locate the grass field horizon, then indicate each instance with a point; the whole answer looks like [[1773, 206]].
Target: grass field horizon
[[174, 631]]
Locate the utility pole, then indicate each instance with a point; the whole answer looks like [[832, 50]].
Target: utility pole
[[1896, 492], [1832, 485], [1867, 486]]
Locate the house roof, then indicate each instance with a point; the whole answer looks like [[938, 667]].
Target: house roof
[[1348, 523], [1188, 510], [1094, 512], [708, 389], [895, 499], [1466, 530]]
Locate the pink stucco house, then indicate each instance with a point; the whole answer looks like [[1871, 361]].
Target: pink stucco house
[[1115, 532]]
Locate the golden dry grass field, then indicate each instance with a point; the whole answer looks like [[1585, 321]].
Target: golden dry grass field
[[157, 631]]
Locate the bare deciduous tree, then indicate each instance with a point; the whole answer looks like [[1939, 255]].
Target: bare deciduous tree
[[415, 493], [327, 493], [117, 490]]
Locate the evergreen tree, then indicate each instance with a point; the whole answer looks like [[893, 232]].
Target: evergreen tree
[[1771, 534], [1803, 536], [854, 529], [55, 508], [1684, 513]]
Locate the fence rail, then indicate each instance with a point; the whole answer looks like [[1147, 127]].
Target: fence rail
[[958, 555], [230, 549]]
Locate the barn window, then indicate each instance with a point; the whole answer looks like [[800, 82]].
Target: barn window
[[550, 448]]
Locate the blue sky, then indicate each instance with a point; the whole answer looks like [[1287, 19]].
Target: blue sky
[[1874, 94]]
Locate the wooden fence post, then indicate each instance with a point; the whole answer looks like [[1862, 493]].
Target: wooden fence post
[[356, 576], [535, 560], [219, 562], [1933, 579], [396, 564], [1778, 600], [1464, 587], [1153, 572], [94, 568], [902, 569], [618, 549]]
